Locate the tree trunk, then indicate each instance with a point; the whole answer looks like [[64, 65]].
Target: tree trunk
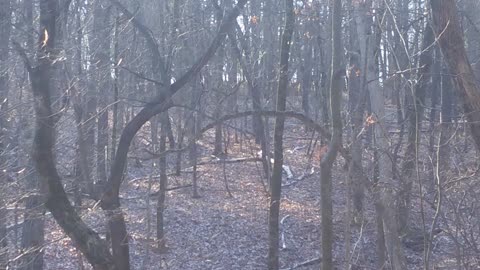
[[386, 183], [414, 116], [218, 87], [307, 79], [101, 75], [450, 36], [357, 94], [32, 239], [162, 164], [326, 164], [253, 89], [33, 224], [91, 245], [5, 22], [276, 183]]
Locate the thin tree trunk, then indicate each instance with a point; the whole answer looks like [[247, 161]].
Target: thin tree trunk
[[162, 164], [5, 22], [415, 117], [276, 183], [387, 209], [253, 89], [326, 164], [115, 118], [218, 86], [101, 74], [307, 79]]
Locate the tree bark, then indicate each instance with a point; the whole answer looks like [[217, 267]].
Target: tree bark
[[387, 208], [5, 22], [101, 74], [450, 37], [357, 95], [326, 164], [110, 201], [276, 182], [162, 164], [91, 245]]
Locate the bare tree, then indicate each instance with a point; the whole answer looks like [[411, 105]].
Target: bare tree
[[387, 207], [326, 164], [449, 35], [276, 183]]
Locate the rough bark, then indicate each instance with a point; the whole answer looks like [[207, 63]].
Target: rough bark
[[32, 239], [276, 182], [91, 245], [357, 93], [450, 37]]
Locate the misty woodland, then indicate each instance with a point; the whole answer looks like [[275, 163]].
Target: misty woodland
[[239, 134]]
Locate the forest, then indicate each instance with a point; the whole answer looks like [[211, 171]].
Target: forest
[[239, 134]]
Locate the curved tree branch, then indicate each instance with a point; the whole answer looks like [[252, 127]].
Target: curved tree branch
[[110, 200]]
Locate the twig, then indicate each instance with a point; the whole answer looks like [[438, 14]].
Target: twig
[[284, 244], [229, 161], [305, 263], [139, 75]]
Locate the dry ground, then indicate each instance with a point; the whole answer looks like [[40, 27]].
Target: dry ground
[[217, 231]]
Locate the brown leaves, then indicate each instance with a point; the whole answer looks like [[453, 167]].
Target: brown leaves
[[370, 120]]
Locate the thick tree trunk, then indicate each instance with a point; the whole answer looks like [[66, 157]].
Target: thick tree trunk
[[91, 245], [450, 36], [276, 183], [357, 95], [33, 225], [32, 239]]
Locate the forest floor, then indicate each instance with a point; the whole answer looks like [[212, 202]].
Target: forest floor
[[217, 231]]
